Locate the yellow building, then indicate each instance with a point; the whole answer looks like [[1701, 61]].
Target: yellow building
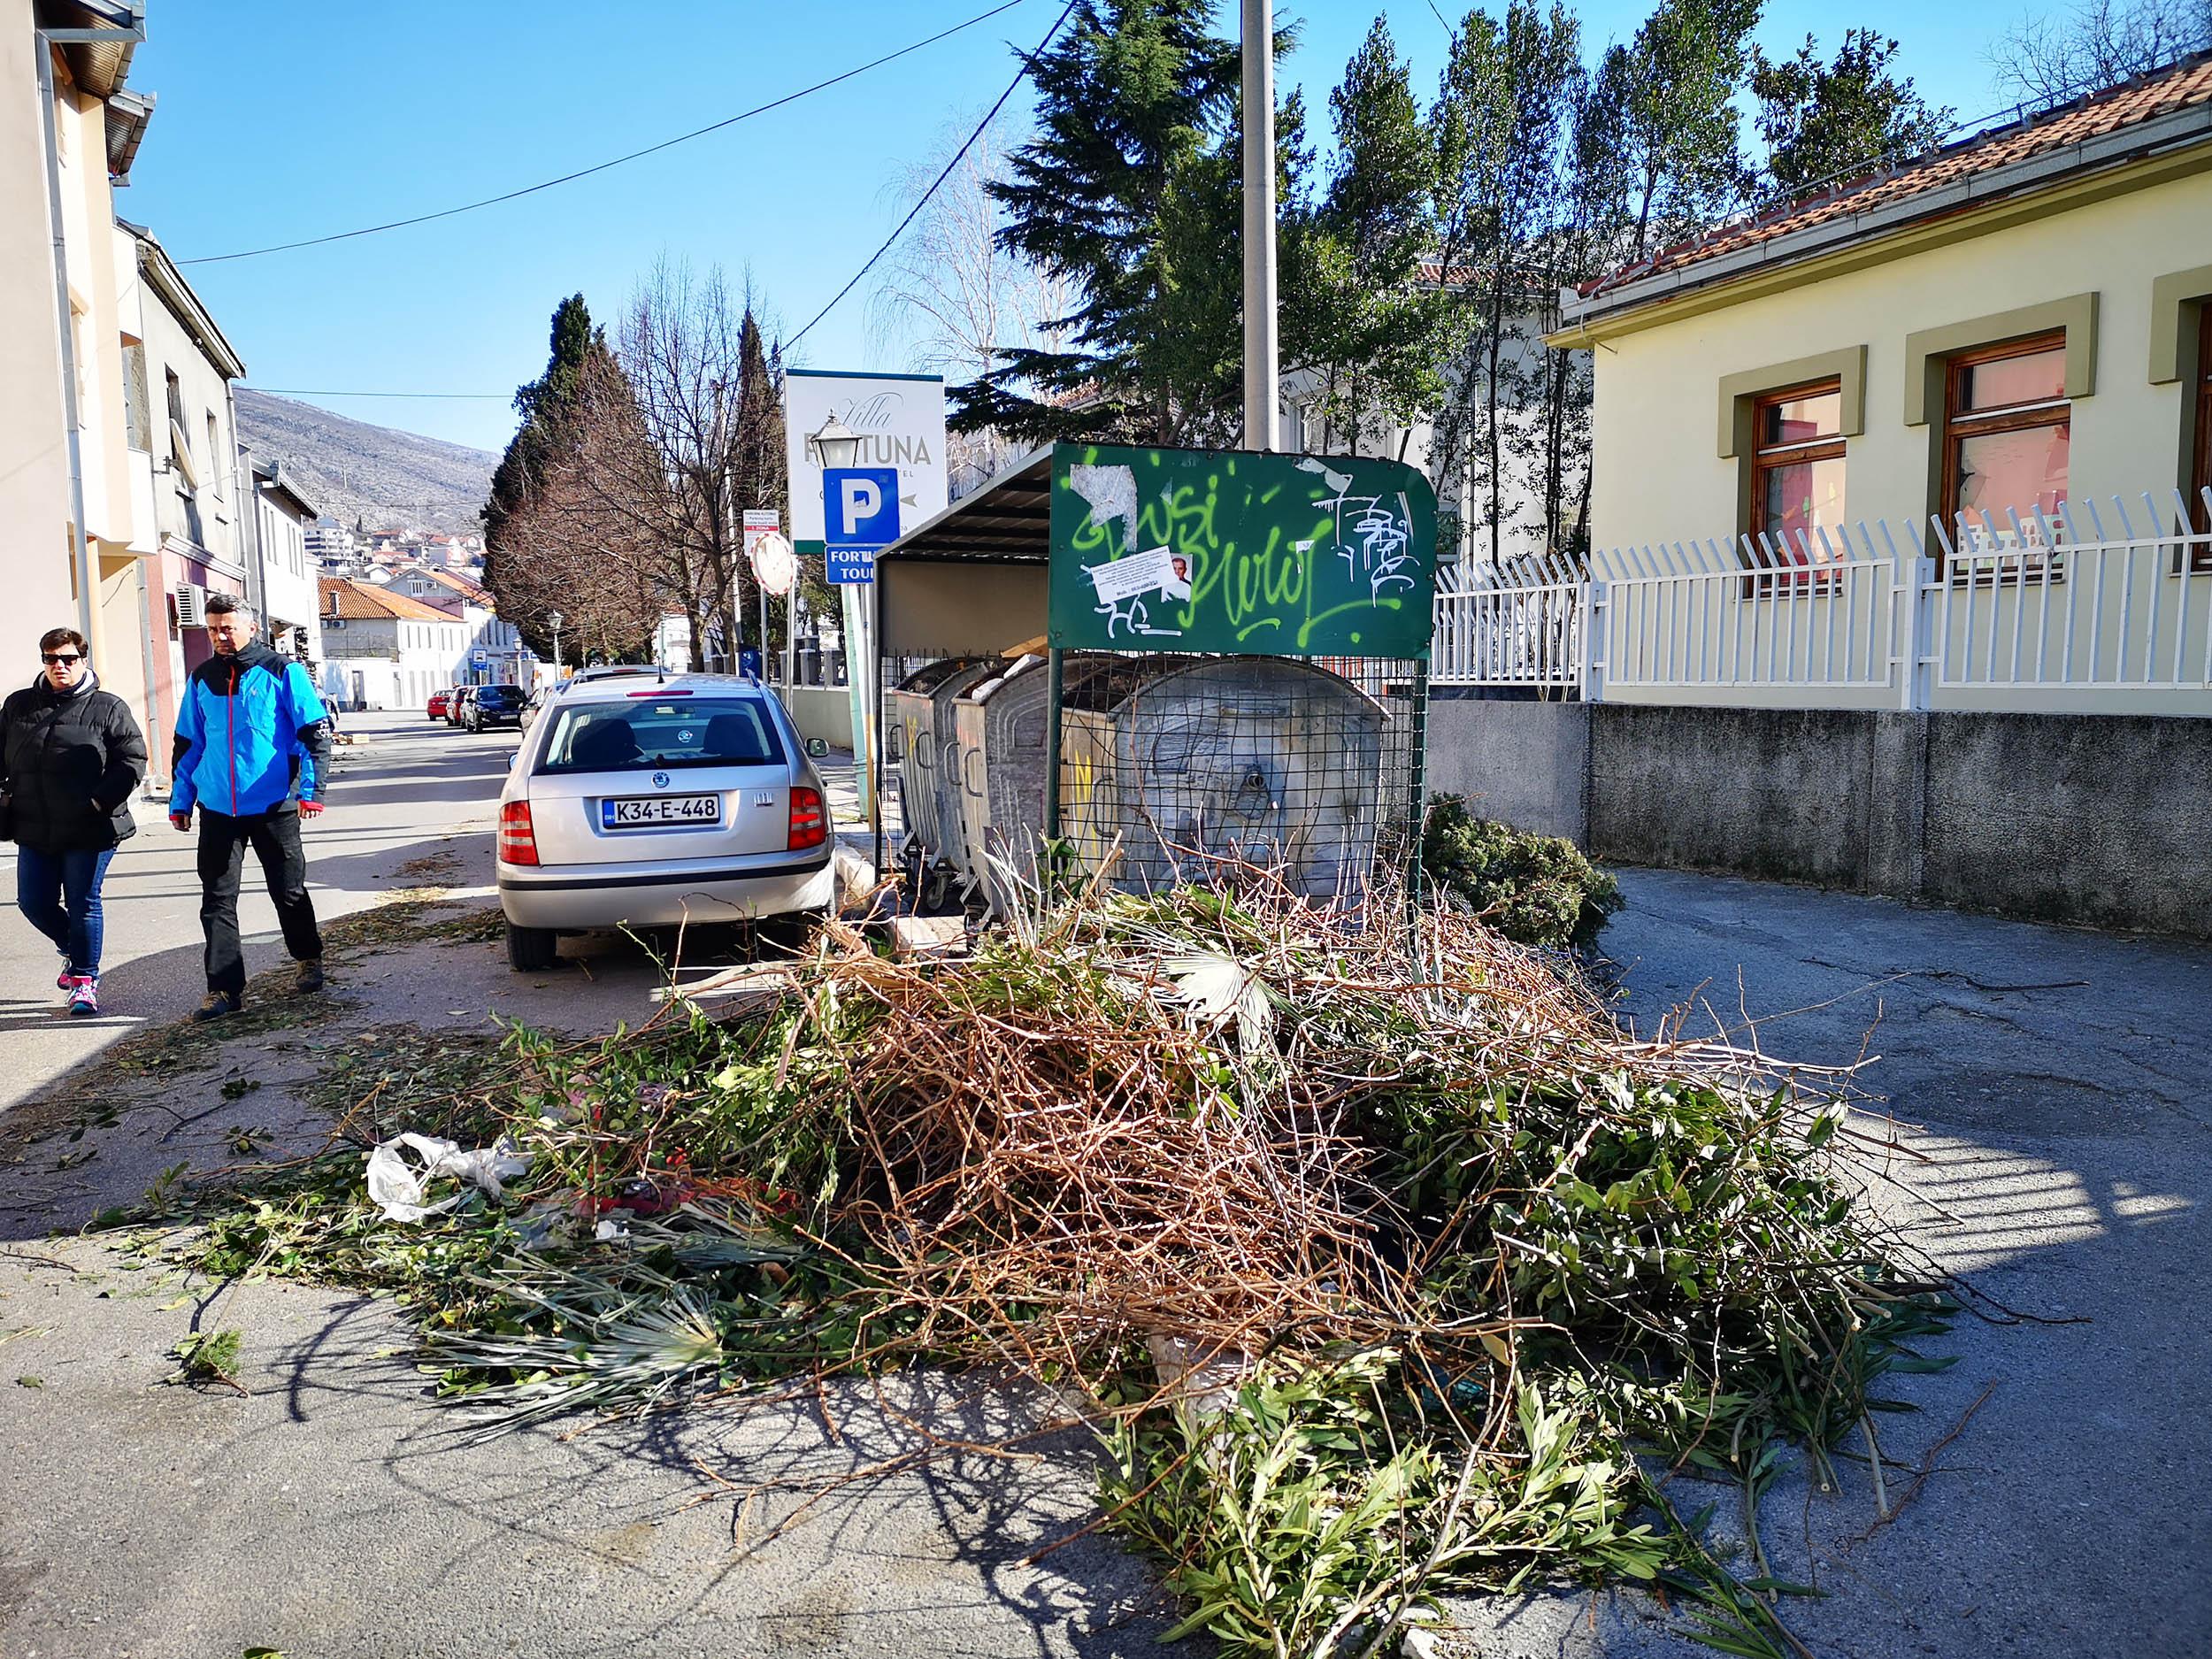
[[1971, 357], [77, 515]]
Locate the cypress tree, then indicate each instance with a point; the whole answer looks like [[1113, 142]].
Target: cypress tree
[[548, 406]]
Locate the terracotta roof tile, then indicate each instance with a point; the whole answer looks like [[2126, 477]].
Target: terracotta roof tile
[[360, 602], [2128, 105]]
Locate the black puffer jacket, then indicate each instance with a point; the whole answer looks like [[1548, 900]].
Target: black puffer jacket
[[69, 761]]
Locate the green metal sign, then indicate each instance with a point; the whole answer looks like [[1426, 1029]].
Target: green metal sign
[[1264, 555]]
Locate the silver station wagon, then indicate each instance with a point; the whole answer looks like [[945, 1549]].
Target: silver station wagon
[[688, 799]]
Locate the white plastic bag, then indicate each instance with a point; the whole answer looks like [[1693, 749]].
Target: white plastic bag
[[399, 1186]]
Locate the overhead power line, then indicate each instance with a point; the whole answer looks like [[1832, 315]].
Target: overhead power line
[[635, 155], [913, 212]]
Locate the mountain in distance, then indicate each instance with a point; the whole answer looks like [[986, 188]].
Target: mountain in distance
[[350, 469]]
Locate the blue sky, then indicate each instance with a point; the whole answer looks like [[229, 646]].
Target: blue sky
[[279, 122]]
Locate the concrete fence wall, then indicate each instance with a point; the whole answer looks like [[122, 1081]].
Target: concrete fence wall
[[2104, 820], [822, 711]]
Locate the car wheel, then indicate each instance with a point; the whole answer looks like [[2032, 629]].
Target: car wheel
[[532, 950], [791, 933]]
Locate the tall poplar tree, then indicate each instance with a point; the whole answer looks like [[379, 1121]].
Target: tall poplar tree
[[1668, 149], [1825, 124], [1365, 311], [1501, 117]]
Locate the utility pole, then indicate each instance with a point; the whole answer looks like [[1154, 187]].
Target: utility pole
[[1259, 225]]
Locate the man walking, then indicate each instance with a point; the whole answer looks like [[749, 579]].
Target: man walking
[[250, 728]]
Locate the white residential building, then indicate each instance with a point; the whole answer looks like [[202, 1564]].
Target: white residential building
[[384, 651], [330, 545], [496, 653], [287, 575]]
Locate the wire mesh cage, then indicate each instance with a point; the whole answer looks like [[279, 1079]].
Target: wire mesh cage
[[1173, 767]]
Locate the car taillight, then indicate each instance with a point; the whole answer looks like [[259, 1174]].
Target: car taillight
[[810, 824], [518, 841]]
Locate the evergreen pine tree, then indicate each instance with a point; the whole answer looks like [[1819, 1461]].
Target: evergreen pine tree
[[1131, 193]]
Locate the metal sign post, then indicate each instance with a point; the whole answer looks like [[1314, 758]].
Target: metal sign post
[[760, 523], [1259, 225], [860, 515]]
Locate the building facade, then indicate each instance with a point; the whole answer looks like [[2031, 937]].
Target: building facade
[[1993, 358], [76, 544], [284, 573]]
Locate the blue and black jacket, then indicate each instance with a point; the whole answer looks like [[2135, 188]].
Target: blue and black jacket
[[246, 725]]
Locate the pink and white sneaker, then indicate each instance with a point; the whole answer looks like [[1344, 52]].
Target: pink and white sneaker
[[84, 996]]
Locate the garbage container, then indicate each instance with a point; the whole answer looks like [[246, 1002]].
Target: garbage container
[[919, 731]]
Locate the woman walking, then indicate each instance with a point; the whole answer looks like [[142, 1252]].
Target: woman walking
[[71, 755]]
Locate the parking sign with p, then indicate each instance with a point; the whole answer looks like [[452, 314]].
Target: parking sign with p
[[861, 514]]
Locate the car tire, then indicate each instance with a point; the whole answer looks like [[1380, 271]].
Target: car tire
[[532, 950], [790, 933]]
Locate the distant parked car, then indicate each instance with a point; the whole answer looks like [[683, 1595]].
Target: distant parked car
[[493, 705], [457, 704], [688, 800], [438, 702]]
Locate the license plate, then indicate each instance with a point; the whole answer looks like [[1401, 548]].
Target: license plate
[[644, 811]]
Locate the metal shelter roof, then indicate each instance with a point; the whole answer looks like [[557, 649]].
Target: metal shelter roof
[[1007, 521]]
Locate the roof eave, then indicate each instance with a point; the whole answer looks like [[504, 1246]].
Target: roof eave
[[1580, 315], [99, 66], [916, 543], [169, 285]]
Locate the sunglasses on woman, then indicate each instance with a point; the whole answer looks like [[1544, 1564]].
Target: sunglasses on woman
[[59, 656]]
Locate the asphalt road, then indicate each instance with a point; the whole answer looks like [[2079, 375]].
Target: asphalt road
[[2054, 1087]]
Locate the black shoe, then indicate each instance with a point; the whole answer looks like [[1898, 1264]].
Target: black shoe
[[219, 1005], [310, 976]]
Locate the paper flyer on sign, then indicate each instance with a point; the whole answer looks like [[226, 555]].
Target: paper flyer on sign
[[1152, 571]]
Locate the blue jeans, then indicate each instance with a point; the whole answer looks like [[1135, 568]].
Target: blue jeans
[[59, 895]]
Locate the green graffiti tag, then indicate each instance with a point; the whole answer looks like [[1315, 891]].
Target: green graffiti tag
[[1279, 555]]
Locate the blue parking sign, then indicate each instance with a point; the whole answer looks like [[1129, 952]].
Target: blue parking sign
[[860, 506], [853, 564]]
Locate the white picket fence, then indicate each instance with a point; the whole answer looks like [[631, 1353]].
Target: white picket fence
[[2075, 611], [1521, 623]]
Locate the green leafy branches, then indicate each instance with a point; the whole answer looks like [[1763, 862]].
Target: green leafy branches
[[1534, 889]]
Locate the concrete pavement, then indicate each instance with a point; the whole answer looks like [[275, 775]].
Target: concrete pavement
[[401, 787]]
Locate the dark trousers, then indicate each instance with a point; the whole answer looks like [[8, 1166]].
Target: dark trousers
[[275, 839]]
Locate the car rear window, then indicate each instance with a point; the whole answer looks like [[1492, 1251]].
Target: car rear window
[[649, 733]]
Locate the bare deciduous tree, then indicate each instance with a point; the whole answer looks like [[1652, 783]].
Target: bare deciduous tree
[[2097, 43], [950, 300], [573, 544]]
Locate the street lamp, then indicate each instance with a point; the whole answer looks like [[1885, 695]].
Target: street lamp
[[836, 445], [553, 620]]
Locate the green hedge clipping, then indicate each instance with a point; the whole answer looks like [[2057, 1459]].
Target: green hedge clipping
[[1534, 889]]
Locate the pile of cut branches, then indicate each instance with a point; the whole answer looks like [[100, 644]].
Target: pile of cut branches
[[1378, 1252]]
